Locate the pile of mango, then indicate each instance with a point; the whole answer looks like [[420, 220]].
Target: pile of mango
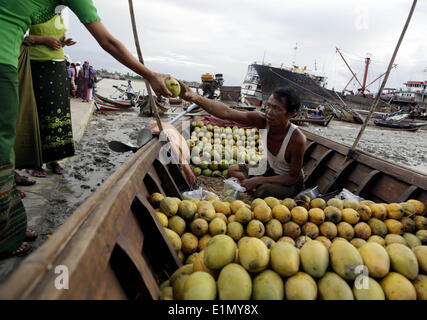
[[214, 148], [295, 249]]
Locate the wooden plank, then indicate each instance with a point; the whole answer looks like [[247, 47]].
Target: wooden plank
[[179, 177], [336, 182], [309, 150], [167, 181], [366, 181], [320, 163], [408, 194]]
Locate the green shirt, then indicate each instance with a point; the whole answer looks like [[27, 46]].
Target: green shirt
[[53, 28], [16, 17]]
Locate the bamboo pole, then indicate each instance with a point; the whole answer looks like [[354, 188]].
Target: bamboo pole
[[351, 152], [151, 102]]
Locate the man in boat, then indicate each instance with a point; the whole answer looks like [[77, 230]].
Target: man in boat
[[286, 144], [129, 90]]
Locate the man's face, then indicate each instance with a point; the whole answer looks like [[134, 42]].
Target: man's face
[[86, 64], [276, 113]]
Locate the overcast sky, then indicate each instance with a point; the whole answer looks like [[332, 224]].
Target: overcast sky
[[187, 38]]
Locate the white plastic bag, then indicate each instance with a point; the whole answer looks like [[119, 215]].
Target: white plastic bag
[[198, 194], [232, 188], [347, 195]]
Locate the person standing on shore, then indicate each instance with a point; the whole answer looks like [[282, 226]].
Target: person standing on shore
[[15, 18], [87, 74]]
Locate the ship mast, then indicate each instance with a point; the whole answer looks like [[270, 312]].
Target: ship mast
[[367, 61], [295, 54]]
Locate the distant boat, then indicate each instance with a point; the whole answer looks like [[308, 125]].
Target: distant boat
[[398, 122]]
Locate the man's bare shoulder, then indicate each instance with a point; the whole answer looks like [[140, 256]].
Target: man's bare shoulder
[[257, 119], [299, 138]]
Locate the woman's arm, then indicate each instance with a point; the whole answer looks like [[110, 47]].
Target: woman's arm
[[119, 51], [51, 42]]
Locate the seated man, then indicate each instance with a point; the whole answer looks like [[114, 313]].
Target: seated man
[[285, 142]]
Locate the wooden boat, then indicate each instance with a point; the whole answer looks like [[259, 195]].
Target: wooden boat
[[104, 103], [323, 121], [114, 247], [399, 122]]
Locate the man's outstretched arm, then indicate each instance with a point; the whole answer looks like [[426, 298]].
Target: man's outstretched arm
[[220, 110]]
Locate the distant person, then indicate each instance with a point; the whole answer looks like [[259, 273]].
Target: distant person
[[71, 75], [285, 142], [321, 109], [77, 80], [15, 18], [87, 73], [129, 90]]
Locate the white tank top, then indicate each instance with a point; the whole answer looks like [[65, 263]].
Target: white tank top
[[278, 163]]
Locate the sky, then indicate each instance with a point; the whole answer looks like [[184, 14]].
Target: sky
[[187, 38]]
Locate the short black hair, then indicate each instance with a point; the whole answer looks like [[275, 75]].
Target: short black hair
[[288, 97]]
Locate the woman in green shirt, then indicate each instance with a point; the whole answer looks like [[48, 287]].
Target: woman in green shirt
[[16, 17]]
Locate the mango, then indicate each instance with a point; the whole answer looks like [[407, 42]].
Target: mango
[[285, 259], [408, 225], [203, 241], [421, 254], [345, 230], [189, 243], [397, 287], [332, 287], [351, 204], [373, 291], [178, 287], [184, 270], [281, 213], [299, 215], [255, 228], [222, 207], [357, 242], [420, 222], [394, 211], [217, 226], [174, 239], [206, 211], [310, 230], [289, 203], [350, 215], [177, 224], [420, 284], [243, 215], [257, 202], [187, 210], [287, 239], [335, 202], [274, 229], [253, 254], [378, 227], [200, 286], [379, 211], [155, 199], [163, 219], [235, 230], [291, 229], [394, 226], [376, 259], [173, 86], [199, 265], [234, 283], [316, 215], [318, 203], [362, 230], [394, 238], [328, 229], [420, 208], [271, 202], [403, 260], [422, 235], [268, 285], [263, 213], [220, 251], [365, 212], [325, 241], [333, 214], [300, 286], [412, 240], [168, 206], [344, 259], [199, 227], [314, 258], [377, 239], [268, 241]]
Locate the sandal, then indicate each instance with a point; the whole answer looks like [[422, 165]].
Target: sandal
[[31, 235], [55, 167], [23, 180], [38, 173], [23, 250]]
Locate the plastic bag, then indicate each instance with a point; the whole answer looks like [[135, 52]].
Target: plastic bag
[[198, 194], [232, 188], [347, 195], [312, 193]]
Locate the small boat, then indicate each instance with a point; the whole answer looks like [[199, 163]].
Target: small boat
[[114, 246], [322, 121], [398, 122]]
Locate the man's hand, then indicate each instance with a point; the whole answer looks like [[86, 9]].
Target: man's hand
[[251, 184], [186, 93], [157, 82], [52, 43]]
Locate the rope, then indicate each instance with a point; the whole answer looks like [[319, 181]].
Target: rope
[[152, 102], [390, 66]]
